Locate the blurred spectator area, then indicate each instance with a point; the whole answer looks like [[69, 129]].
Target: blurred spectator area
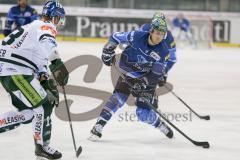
[[189, 5]]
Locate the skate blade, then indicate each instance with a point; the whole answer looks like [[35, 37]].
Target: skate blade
[[43, 158], [93, 138]]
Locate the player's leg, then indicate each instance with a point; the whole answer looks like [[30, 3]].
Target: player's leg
[[191, 39], [13, 119], [29, 90], [176, 33], [42, 111], [115, 101], [42, 128], [149, 116], [22, 115]]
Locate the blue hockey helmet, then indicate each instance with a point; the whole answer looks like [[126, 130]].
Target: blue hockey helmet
[[159, 24], [52, 9]]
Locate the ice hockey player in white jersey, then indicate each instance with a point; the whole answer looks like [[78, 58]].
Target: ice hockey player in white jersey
[[24, 57]]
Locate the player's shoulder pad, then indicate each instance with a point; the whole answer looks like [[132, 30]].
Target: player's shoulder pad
[[14, 9], [145, 27], [138, 34], [47, 28]]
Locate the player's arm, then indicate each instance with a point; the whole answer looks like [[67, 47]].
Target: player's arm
[[48, 84], [175, 22], [171, 59], [8, 25], [108, 53], [59, 71], [185, 25], [48, 46]]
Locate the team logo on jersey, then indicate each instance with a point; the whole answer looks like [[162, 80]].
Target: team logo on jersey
[[155, 56]]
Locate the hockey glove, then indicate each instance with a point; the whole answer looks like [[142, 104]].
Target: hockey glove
[[138, 89], [59, 71], [162, 81], [108, 55], [52, 92]]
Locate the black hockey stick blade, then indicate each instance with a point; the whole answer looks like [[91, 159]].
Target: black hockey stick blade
[[79, 151], [205, 117], [180, 99], [201, 144]]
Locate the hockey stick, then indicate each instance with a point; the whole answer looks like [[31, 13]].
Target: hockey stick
[[79, 150], [207, 117], [197, 143]]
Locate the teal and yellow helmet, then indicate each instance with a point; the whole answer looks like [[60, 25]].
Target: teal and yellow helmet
[[159, 24], [158, 14]]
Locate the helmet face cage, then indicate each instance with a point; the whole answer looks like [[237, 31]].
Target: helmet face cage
[[54, 9], [159, 24]]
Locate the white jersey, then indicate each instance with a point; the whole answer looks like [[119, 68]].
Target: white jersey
[[28, 49]]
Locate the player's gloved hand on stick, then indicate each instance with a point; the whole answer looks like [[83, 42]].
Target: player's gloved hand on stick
[[108, 59], [108, 55], [138, 89], [52, 91], [59, 71], [162, 80]]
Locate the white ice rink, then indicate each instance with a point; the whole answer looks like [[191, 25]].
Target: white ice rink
[[208, 80]]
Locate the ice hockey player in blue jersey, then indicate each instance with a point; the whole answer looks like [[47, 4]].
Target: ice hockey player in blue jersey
[[18, 16], [168, 39], [142, 63], [181, 30]]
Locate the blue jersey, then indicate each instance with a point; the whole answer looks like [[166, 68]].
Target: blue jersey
[[139, 54], [19, 18], [169, 40], [183, 24]]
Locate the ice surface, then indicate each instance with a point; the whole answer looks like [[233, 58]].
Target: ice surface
[[208, 80]]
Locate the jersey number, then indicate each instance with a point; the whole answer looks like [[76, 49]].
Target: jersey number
[[11, 38]]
